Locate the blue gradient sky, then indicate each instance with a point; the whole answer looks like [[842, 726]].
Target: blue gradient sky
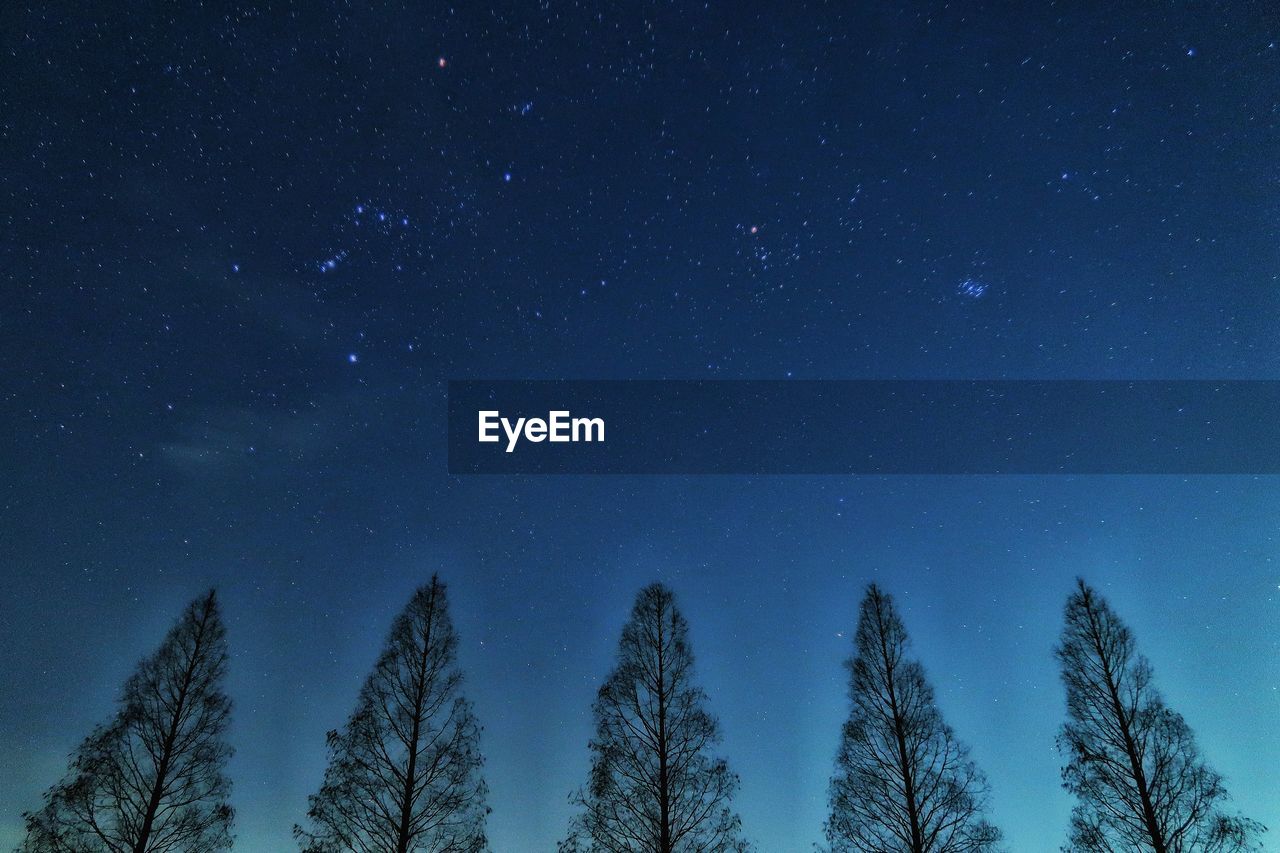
[[247, 251]]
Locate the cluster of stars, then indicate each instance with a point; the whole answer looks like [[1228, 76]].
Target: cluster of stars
[[366, 218], [367, 213], [1073, 178], [331, 262]]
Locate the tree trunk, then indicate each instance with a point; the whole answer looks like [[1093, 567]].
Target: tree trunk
[[664, 781], [1158, 843], [171, 735], [406, 807], [908, 777]]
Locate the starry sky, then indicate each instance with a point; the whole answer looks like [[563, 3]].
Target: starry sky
[[245, 248]]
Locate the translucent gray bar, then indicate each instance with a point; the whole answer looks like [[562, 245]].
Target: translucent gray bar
[[870, 427]]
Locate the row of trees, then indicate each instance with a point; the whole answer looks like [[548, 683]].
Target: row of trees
[[405, 772]]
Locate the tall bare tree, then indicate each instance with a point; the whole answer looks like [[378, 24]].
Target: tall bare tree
[[902, 781], [655, 787], [151, 780], [1139, 779], [404, 774]]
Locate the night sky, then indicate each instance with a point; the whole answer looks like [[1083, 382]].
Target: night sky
[[244, 249]]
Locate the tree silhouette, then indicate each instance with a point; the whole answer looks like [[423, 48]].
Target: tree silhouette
[[902, 781], [150, 780], [404, 774], [654, 785], [1134, 767]]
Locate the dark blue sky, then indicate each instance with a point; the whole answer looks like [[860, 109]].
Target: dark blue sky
[[245, 249]]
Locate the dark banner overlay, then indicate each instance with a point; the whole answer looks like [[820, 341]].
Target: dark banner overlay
[[864, 427]]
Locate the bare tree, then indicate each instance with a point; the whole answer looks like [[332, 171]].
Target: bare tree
[[404, 774], [655, 787], [902, 781], [151, 780], [1139, 779]]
